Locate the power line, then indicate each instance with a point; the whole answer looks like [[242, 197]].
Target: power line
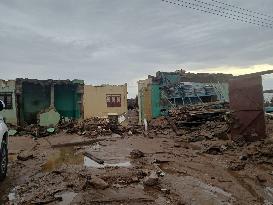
[[239, 12], [247, 18], [219, 13], [230, 5]]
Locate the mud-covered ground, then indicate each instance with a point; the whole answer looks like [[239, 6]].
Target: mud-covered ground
[[172, 171]]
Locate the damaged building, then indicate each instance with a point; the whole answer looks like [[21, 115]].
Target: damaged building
[[7, 95], [47, 101], [158, 94], [100, 101]]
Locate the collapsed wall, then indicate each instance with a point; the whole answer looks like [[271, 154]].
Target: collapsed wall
[[166, 90]]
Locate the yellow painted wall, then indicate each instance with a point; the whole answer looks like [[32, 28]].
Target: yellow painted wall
[[147, 103], [143, 98], [94, 100]]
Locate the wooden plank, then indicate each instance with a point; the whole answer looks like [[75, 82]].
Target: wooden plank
[[80, 143], [89, 155]]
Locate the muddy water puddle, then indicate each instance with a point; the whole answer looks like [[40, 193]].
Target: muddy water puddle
[[70, 156], [91, 163], [67, 197]]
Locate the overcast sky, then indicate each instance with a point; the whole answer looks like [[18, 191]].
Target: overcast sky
[[119, 41]]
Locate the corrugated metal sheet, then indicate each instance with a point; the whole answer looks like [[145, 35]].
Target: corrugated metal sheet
[[247, 102]]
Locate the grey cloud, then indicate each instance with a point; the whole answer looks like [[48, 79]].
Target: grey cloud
[[119, 41]]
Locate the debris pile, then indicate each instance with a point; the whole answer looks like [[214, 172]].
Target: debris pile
[[91, 127], [160, 123], [98, 126], [159, 126], [200, 122], [135, 154], [262, 152], [88, 127], [34, 130]]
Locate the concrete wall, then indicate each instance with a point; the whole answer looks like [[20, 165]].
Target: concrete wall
[[11, 114], [142, 85], [94, 100]]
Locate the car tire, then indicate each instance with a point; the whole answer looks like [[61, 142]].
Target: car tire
[[3, 161]]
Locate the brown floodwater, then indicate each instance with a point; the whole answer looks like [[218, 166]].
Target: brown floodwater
[[69, 156]]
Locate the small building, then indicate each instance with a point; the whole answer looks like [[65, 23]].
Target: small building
[[7, 95], [158, 94], [44, 101], [99, 101]]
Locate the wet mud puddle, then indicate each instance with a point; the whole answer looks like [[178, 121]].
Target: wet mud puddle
[[69, 156], [67, 197]]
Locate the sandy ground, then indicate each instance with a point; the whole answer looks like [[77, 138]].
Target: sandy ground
[[185, 173]]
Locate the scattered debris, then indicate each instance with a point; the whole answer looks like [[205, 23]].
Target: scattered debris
[[24, 156], [166, 191], [96, 182], [135, 154], [214, 150], [261, 178], [243, 157], [173, 164], [160, 123], [12, 132], [151, 180], [51, 130], [236, 166], [201, 122]]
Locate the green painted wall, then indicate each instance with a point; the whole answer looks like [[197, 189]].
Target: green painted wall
[[78, 105], [155, 100], [35, 98], [9, 114], [66, 101]]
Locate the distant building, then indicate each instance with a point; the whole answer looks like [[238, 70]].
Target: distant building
[[99, 101], [158, 94]]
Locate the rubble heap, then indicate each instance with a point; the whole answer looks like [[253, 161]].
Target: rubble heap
[[91, 127], [200, 122]]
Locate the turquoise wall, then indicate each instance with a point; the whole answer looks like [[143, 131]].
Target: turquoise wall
[[35, 98], [66, 101], [156, 108]]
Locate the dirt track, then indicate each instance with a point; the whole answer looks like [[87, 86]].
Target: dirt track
[[186, 173]]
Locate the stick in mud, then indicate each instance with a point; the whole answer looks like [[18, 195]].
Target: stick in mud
[[89, 155], [81, 143]]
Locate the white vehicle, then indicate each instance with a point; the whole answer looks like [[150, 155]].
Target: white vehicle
[[4, 145]]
